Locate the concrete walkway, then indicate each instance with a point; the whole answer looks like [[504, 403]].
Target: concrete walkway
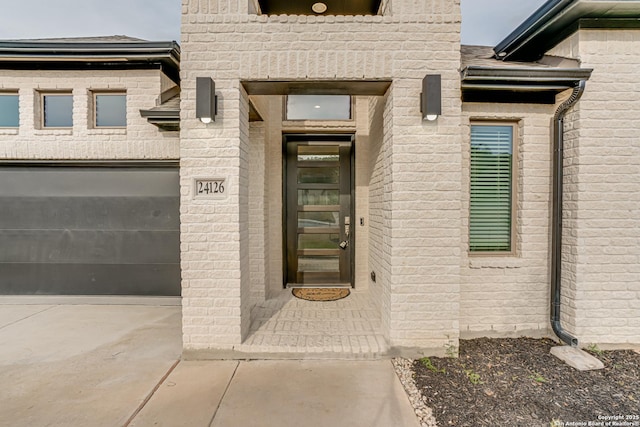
[[287, 393], [116, 364]]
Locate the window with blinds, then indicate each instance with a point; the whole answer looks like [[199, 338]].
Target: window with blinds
[[490, 216]]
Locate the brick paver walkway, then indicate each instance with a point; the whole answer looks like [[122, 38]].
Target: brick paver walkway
[[347, 328]]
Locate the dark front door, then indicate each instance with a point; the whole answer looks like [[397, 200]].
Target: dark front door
[[318, 215]]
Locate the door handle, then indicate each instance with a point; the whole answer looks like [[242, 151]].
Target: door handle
[[347, 230]]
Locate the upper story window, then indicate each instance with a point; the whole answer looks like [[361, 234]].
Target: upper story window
[[318, 7], [109, 109], [491, 213], [318, 107], [57, 109], [9, 113]]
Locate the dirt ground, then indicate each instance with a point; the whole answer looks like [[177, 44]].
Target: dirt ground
[[517, 382]]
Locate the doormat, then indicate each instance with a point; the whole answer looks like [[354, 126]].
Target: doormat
[[321, 294]]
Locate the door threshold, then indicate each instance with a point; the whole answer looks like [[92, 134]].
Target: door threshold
[[319, 285]]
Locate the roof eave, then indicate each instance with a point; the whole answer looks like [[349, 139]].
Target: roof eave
[[557, 19], [530, 26], [168, 120], [161, 114], [528, 85], [525, 73], [25, 51]]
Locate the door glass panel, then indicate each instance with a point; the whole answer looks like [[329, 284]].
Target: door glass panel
[[318, 219], [318, 263], [318, 241], [319, 175], [318, 197], [318, 153]]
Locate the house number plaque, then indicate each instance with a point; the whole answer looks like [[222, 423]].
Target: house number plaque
[[210, 188]]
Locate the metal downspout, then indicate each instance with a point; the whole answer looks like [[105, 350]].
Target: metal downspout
[[557, 199]]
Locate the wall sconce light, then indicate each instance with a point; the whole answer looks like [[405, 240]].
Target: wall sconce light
[[206, 99], [431, 97]]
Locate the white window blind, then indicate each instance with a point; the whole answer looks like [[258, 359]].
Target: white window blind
[[491, 188]]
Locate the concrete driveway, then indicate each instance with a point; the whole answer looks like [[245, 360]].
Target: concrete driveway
[[83, 365], [118, 365]]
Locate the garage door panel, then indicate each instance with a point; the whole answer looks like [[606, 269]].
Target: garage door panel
[[90, 279], [115, 213], [89, 246], [61, 181], [77, 230]]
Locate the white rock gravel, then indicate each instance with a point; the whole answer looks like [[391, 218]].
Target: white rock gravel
[[404, 372]]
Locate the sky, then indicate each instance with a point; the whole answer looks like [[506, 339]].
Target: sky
[[484, 22]]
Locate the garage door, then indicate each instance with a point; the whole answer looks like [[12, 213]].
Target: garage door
[[89, 230]]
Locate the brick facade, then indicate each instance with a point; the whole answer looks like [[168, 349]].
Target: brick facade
[[412, 177], [138, 141], [412, 180], [602, 231], [509, 295], [422, 182]]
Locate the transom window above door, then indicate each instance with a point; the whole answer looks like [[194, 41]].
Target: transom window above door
[[319, 7], [318, 107]]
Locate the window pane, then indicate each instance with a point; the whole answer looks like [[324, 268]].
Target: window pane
[[318, 107], [9, 117], [58, 111], [111, 110], [491, 188]]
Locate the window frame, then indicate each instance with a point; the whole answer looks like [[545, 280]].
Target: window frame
[[45, 93], [9, 92], [515, 145], [93, 107]]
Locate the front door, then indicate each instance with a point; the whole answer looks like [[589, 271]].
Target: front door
[[318, 210]]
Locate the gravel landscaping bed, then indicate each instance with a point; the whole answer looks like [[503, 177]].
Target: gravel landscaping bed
[[516, 382]]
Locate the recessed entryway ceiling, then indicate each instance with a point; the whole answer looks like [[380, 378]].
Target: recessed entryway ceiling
[[306, 7]]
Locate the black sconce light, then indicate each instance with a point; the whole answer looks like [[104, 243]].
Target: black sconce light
[[431, 97], [206, 99]]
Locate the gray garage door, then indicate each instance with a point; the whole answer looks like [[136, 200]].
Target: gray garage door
[[89, 230]]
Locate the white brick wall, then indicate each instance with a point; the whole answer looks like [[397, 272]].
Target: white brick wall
[[380, 209], [258, 218], [602, 231], [220, 39], [509, 295], [362, 176], [140, 139]]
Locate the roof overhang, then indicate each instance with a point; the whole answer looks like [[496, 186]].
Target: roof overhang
[[557, 19], [333, 7], [24, 54], [370, 87], [519, 85], [166, 115], [168, 120]]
